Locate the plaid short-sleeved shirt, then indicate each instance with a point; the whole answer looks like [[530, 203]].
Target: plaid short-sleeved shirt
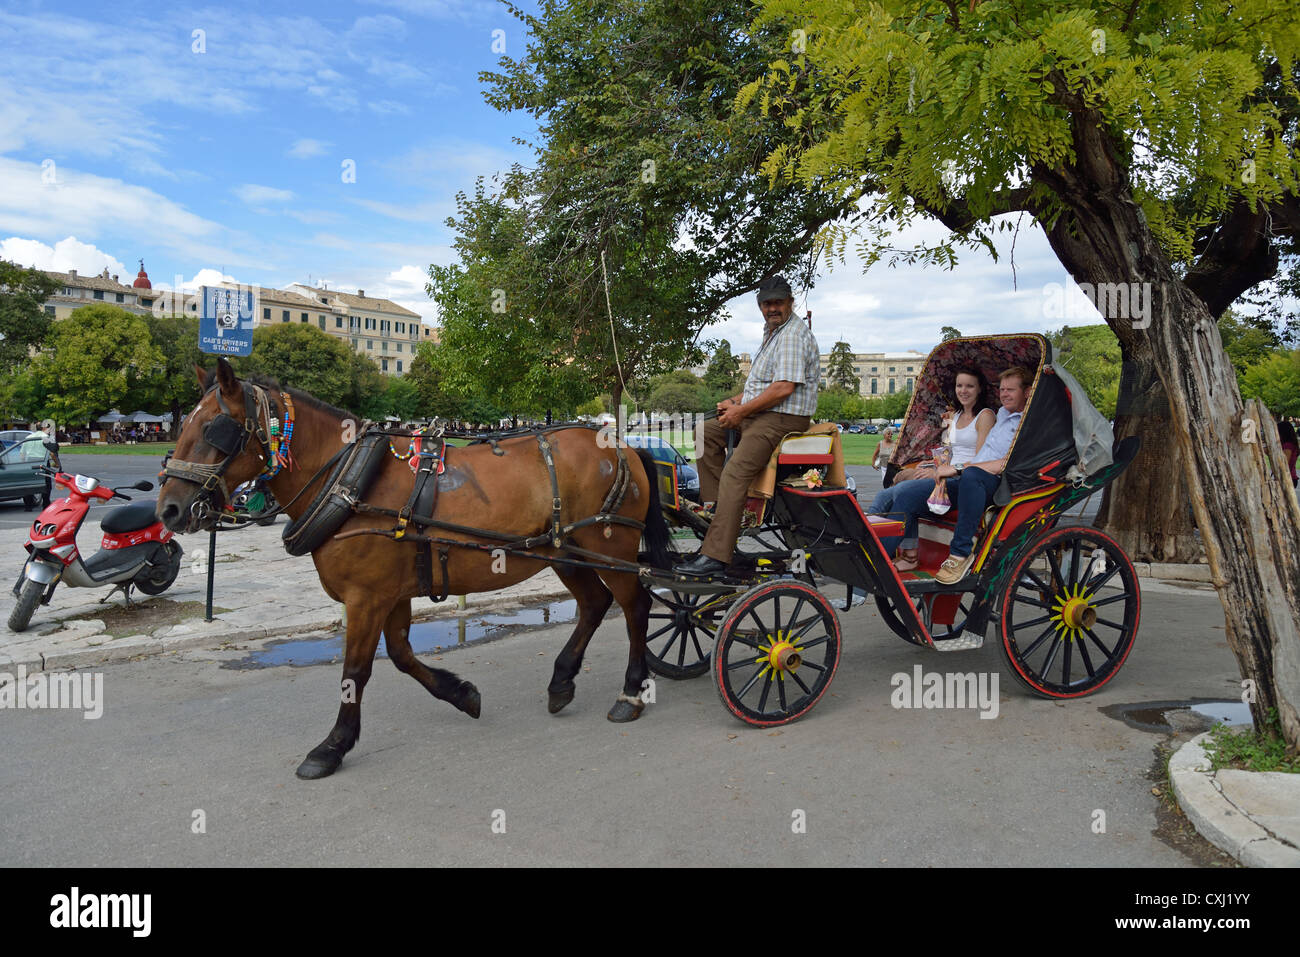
[[789, 354]]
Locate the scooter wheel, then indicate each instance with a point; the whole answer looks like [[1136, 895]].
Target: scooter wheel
[[159, 577], [29, 596]]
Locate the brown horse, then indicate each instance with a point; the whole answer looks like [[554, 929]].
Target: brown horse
[[375, 577]]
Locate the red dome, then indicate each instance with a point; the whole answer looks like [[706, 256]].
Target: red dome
[[142, 279]]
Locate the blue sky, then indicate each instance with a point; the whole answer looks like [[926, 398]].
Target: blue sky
[[126, 134]]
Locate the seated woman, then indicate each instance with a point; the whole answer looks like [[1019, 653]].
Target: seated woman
[[973, 485], [971, 427]]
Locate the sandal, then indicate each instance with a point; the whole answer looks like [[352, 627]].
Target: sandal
[[906, 560]]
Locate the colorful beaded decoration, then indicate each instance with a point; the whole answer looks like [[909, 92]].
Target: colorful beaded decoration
[[281, 457], [411, 450]]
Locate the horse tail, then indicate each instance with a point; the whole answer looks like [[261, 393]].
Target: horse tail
[[656, 529]]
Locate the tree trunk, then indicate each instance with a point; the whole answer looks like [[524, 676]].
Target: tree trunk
[[1249, 518], [1146, 508]]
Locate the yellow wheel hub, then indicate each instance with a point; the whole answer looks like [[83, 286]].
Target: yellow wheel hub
[[780, 655], [1073, 612]]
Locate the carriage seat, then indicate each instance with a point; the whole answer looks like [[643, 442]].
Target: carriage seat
[[819, 448], [1006, 520]]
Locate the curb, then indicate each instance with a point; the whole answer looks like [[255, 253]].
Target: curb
[[1172, 571], [1216, 818]]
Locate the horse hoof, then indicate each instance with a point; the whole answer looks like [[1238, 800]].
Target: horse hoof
[[557, 701], [624, 711], [471, 702], [321, 763]]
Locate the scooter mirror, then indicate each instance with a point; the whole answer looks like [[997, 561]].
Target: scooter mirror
[[143, 486]]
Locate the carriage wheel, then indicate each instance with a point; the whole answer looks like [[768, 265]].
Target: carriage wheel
[[1069, 612], [776, 653], [682, 631]]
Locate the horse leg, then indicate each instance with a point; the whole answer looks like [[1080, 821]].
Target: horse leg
[[441, 684], [594, 600], [364, 620], [635, 602]]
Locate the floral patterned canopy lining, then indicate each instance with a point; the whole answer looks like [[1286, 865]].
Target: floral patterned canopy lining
[[992, 355]]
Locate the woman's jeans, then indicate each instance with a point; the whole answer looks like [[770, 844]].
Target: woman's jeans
[[971, 492]]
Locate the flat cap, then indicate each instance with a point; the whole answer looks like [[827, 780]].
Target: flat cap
[[774, 287]]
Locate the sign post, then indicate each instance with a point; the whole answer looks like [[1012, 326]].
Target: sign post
[[225, 329]]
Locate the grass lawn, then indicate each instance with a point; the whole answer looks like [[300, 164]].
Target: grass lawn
[[158, 449]]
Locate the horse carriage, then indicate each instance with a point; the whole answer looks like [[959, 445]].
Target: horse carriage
[[376, 504], [1062, 601]]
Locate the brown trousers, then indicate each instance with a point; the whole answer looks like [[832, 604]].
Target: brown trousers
[[759, 436]]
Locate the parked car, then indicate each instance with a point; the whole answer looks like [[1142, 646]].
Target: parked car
[[871, 430], [688, 479], [12, 437], [19, 470]]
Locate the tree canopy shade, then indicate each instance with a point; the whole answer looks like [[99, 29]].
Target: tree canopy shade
[[1155, 144], [23, 322]]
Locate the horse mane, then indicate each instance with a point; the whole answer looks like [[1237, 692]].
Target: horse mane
[[305, 398]]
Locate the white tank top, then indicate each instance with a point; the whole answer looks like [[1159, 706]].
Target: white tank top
[[963, 442]]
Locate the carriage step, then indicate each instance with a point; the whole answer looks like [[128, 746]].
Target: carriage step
[[960, 643]]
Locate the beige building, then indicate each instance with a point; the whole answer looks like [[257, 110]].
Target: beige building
[[77, 291], [879, 373], [379, 329]]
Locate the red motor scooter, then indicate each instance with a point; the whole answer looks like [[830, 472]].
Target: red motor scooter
[[136, 551]]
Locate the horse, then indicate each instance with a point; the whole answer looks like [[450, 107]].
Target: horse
[[503, 487]]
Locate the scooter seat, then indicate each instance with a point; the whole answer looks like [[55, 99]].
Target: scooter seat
[[129, 518]]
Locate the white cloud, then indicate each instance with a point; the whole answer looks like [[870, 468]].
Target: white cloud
[[253, 195], [66, 254], [83, 204], [431, 212], [307, 148]]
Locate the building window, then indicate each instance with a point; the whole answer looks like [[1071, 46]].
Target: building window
[[909, 369], [370, 323], [383, 365], [99, 294], [354, 342], [67, 291], [266, 314], [121, 298], [284, 316], [49, 310], [304, 317], [874, 370], [338, 322], [322, 323], [370, 344], [891, 386], [399, 347], [874, 383]]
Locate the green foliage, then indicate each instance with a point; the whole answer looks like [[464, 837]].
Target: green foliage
[[1092, 355], [948, 333], [23, 322], [1251, 750], [1246, 341], [950, 110], [678, 391], [305, 358], [839, 370], [97, 356], [840, 405], [177, 338], [723, 373], [1275, 382]]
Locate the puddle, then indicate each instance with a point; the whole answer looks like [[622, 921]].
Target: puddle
[[1168, 717], [426, 636]]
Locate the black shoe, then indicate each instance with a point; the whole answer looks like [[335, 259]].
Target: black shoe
[[702, 566]]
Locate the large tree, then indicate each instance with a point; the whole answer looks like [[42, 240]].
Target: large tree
[[639, 158], [839, 370], [1155, 144], [96, 357], [24, 323], [303, 357], [174, 387]]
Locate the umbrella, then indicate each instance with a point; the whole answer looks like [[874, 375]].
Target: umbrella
[[143, 417], [112, 416]]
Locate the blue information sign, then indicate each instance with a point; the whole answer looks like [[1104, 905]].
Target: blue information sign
[[226, 322]]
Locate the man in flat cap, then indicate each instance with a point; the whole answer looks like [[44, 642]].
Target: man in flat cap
[[780, 397]]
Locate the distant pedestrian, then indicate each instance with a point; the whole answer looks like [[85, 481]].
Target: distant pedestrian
[[1290, 447], [884, 450]]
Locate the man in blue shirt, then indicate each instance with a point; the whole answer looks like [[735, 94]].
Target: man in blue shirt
[[780, 397], [971, 487]]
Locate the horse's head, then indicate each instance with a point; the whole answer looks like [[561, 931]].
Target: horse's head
[[225, 442]]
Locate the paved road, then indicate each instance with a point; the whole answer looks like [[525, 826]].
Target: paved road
[[111, 470], [684, 785]]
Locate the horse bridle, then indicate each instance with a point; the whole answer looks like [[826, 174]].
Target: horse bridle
[[227, 436]]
